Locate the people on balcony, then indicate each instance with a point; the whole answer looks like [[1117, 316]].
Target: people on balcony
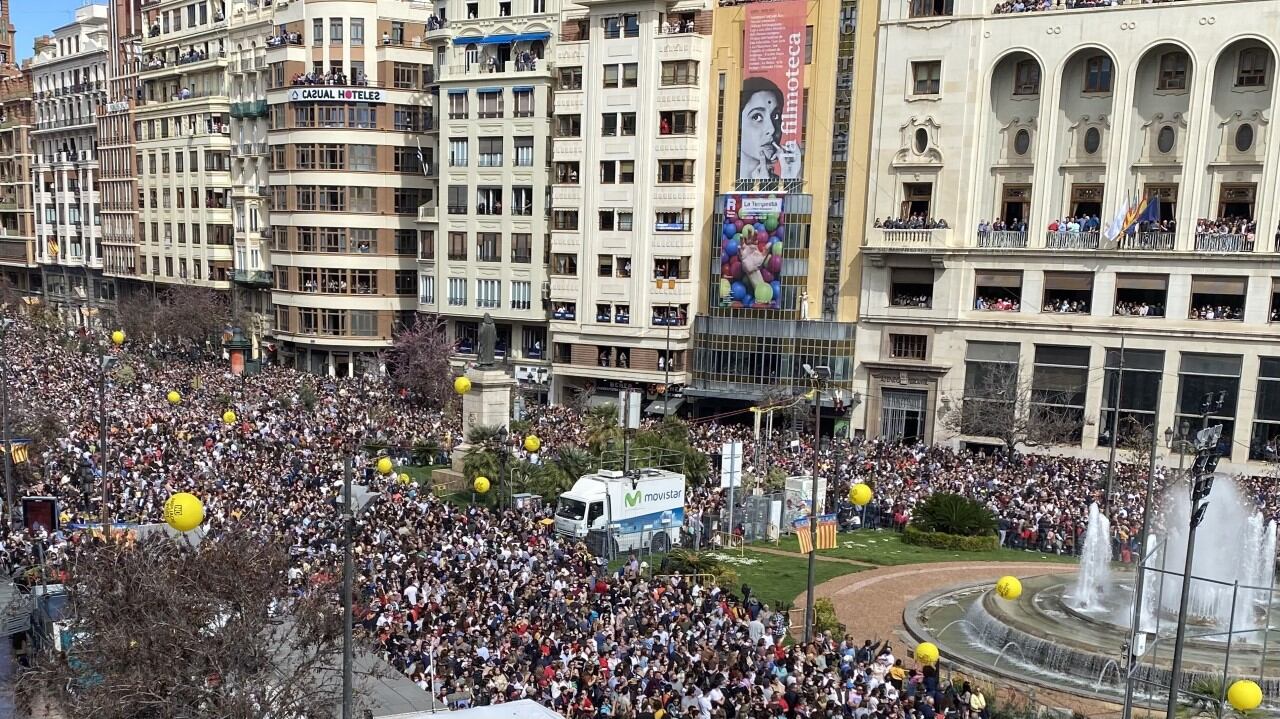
[[1067, 306], [1227, 226], [1082, 223], [434, 23], [1017, 6], [1139, 309], [916, 221], [526, 61], [997, 304], [286, 38], [911, 301], [1217, 312], [333, 77]]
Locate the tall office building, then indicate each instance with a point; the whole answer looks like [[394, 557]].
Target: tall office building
[[118, 169], [18, 268], [8, 56], [1029, 151], [348, 105], [69, 73], [249, 26], [184, 145], [628, 153], [785, 186], [485, 242]]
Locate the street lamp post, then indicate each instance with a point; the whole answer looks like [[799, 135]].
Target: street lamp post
[[819, 376], [10, 489]]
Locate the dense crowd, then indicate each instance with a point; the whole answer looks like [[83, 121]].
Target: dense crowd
[[997, 304], [1140, 309], [1216, 312], [1067, 306], [481, 605], [915, 221]]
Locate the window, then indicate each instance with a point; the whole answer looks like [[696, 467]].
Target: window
[[317, 31], [677, 122], [564, 264], [406, 160], [458, 246], [1251, 69], [490, 104], [990, 387], [458, 152], [523, 102], [609, 124], [631, 25], [624, 75], [1204, 375], [909, 347], [458, 105], [626, 171], [1218, 298], [364, 323], [609, 172], [630, 74], [522, 248], [458, 200], [490, 152], [568, 125], [612, 74], [1067, 292], [306, 197], [998, 290], [364, 199], [335, 31], [1139, 395], [1173, 71], [675, 171], [911, 286], [488, 293], [1026, 80], [304, 157], [927, 77], [406, 242], [931, 8], [521, 201], [523, 147], [1097, 74], [426, 289], [566, 173], [488, 200], [407, 200], [1141, 295], [426, 244], [489, 247], [679, 72], [521, 296], [458, 291], [331, 157], [357, 31], [1265, 444], [330, 199], [564, 219], [569, 78], [604, 266]]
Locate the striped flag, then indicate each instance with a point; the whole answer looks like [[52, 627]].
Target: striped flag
[[19, 449], [803, 533], [827, 531]]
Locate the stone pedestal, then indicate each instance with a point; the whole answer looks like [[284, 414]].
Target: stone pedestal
[[488, 404]]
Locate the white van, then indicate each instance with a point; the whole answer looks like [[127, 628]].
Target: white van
[[643, 509]]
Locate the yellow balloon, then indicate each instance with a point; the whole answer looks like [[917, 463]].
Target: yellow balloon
[[117, 337], [462, 385], [384, 465], [1244, 695], [532, 443], [927, 653], [860, 494], [1009, 588], [229, 417], [174, 397], [184, 512], [481, 485], [404, 478]]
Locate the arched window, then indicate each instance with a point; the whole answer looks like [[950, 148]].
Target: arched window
[[1251, 68], [1026, 78]]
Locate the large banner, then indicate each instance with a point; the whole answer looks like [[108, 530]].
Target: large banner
[[771, 106], [751, 247]]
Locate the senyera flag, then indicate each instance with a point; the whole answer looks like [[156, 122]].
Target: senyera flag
[[771, 104]]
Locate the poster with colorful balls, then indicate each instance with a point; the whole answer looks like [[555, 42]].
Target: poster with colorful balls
[[751, 247]]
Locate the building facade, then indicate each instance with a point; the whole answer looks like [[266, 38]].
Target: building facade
[[118, 169], [485, 242], [629, 139], [347, 102], [784, 189], [18, 268], [1028, 151], [69, 73], [184, 145]]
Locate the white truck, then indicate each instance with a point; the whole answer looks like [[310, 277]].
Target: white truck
[[642, 509]]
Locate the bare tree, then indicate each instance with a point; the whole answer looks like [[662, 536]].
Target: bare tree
[[419, 362], [998, 404], [182, 313], [165, 630]]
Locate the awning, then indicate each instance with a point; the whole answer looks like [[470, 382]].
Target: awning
[[1142, 282], [457, 92], [502, 38], [1079, 281], [1219, 285], [488, 90], [474, 39], [989, 278], [522, 88], [664, 406]]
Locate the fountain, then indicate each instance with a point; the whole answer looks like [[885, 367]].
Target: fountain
[[1095, 562], [1069, 630]]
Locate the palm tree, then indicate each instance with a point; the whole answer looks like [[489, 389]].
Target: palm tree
[[482, 458], [602, 427], [574, 462]]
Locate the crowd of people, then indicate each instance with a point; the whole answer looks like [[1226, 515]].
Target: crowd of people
[[1067, 306], [1217, 312], [909, 300], [480, 605], [999, 225], [1071, 225], [1125, 308], [1017, 6], [914, 221], [997, 304], [334, 76]]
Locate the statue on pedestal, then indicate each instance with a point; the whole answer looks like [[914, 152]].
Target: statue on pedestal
[[486, 342]]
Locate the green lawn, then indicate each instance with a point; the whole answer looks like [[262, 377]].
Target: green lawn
[[779, 580], [887, 548], [420, 475]]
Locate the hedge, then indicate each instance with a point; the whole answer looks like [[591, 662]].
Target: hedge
[[942, 540]]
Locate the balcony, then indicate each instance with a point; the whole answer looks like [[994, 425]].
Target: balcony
[[1150, 241], [429, 213], [883, 237], [498, 70], [1223, 242], [261, 278], [1003, 239], [1060, 240]]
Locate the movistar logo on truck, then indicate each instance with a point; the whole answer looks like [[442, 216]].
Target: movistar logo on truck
[[634, 498]]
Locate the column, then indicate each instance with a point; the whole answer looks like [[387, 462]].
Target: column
[[1049, 119], [1194, 175], [1119, 146]]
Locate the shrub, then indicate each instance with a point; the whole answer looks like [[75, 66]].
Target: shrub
[[942, 540], [686, 561], [954, 514], [825, 619]]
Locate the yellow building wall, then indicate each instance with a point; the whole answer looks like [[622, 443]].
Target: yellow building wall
[[820, 82]]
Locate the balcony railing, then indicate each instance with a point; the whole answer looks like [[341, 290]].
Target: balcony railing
[[1223, 242], [1071, 240], [253, 277], [1002, 238], [1151, 241], [907, 237]]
